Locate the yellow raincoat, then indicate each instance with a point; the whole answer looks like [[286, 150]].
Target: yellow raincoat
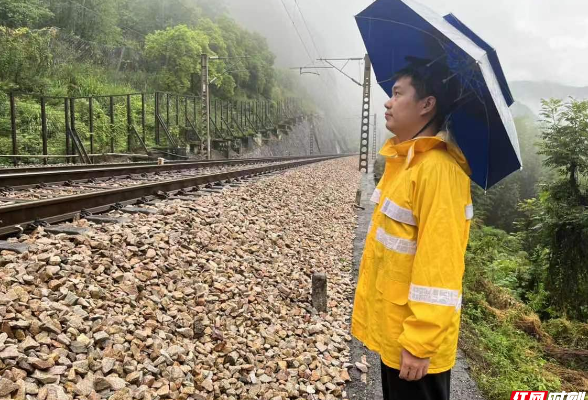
[[410, 280]]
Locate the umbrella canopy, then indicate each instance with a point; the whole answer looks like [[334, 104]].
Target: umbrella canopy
[[396, 31]]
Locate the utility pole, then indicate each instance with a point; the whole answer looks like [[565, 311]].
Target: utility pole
[[365, 109], [205, 102], [365, 117], [205, 95], [328, 61], [375, 138]]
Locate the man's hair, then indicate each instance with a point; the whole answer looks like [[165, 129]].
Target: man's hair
[[432, 78]]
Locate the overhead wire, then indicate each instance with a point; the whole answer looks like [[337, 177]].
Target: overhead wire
[[330, 75], [330, 72], [312, 60], [297, 32], [307, 28]]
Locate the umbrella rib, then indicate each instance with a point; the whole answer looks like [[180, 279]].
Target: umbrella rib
[[401, 23], [460, 71], [386, 80], [487, 144]]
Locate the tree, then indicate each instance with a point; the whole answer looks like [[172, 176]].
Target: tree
[[23, 13], [176, 53], [25, 57], [565, 213], [92, 20], [212, 8], [150, 15], [565, 141]]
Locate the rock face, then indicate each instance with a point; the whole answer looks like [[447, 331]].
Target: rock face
[[206, 299], [297, 141]]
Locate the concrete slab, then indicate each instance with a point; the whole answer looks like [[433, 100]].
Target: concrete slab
[[19, 248], [206, 190], [185, 198], [138, 210], [99, 219], [67, 229]]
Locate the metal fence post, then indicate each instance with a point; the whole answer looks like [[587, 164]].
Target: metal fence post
[[111, 124], [157, 118], [13, 128], [177, 110], [167, 109], [215, 112], [129, 123], [91, 118], [66, 110], [143, 115], [44, 128], [72, 114]]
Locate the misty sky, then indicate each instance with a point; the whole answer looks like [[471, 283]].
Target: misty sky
[[535, 40], [539, 40]]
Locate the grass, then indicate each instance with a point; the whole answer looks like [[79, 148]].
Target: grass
[[508, 347]]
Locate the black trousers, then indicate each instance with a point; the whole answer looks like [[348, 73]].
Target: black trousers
[[431, 387]]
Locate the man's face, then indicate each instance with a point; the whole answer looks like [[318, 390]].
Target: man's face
[[405, 113]]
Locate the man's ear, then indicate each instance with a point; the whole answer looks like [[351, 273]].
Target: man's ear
[[429, 104]]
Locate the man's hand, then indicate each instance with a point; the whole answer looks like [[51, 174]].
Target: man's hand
[[413, 368]]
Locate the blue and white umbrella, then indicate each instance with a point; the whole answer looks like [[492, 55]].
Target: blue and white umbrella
[[395, 31]]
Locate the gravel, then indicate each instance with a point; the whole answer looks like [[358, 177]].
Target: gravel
[[206, 299]]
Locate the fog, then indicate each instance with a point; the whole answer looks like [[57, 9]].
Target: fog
[[534, 42]]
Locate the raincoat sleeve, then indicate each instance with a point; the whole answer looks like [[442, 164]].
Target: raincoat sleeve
[[439, 193]]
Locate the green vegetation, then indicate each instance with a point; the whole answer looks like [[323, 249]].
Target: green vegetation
[[507, 343], [52, 44], [103, 47], [526, 295]]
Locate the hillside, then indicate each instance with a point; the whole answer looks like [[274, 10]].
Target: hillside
[[530, 93]]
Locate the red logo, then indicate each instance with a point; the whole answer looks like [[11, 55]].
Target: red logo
[[526, 395]]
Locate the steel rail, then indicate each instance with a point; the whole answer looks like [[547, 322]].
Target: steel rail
[[39, 176], [15, 218]]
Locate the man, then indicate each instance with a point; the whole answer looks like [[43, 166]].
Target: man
[[408, 297]]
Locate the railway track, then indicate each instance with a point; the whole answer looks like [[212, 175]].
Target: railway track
[[22, 177], [66, 167], [21, 213]]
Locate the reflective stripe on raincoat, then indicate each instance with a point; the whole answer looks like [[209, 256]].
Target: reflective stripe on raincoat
[[410, 280]]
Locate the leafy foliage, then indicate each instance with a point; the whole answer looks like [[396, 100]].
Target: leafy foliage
[[79, 48], [91, 20], [565, 142], [502, 337], [561, 212], [163, 39], [23, 13], [25, 57], [175, 53]]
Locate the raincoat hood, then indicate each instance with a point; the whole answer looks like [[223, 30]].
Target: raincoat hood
[[394, 148]]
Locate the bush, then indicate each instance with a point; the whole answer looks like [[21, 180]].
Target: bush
[[568, 333], [501, 336], [25, 58]]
